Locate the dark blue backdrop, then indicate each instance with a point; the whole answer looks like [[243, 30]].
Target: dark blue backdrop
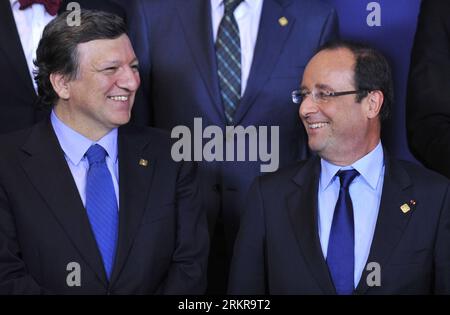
[[394, 37]]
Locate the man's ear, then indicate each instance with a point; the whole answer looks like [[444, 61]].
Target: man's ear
[[374, 102], [60, 84]]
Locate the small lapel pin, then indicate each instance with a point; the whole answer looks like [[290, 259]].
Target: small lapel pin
[[283, 21], [405, 208], [143, 162]]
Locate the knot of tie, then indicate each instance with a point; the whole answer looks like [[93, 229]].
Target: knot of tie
[[231, 5], [96, 154], [346, 177]]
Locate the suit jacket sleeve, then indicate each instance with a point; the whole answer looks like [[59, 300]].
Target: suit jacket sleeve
[[187, 273], [330, 30], [247, 274], [14, 278], [428, 100], [139, 30]]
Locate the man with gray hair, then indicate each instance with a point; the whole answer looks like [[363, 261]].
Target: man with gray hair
[[21, 25], [88, 205]]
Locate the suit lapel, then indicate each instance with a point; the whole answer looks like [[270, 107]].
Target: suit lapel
[[391, 222], [43, 161], [270, 42], [134, 186], [195, 16], [12, 47], [302, 206]]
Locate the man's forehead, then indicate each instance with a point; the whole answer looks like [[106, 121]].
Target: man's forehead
[[341, 58], [335, 64], [111, 50], [103, 41]]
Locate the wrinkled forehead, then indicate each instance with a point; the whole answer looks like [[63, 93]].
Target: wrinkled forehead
[[334, 67], [99, 50]]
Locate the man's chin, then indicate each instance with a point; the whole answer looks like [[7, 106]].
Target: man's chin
[[315, 146], [116, 123]]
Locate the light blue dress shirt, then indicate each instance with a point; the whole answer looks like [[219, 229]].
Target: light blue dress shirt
[[365, 191], [75, 146]]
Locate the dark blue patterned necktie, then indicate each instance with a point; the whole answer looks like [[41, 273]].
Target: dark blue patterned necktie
[[228, 53], [101, 205], [341, 245]]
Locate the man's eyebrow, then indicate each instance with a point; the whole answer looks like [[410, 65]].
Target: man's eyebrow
[[317, 86], [302, 87], [323, 86], [106, 64], [112, 63]]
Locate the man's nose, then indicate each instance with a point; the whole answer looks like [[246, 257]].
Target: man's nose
[[129, 79], [307, 106]]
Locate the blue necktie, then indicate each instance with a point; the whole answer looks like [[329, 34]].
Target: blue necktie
[[228, 53], [341, 245], [101, 205]]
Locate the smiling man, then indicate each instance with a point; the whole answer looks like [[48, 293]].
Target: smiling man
[[351, 220], [88, 205]]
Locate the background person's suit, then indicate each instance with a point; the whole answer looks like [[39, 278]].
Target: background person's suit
[[428, 103], [174, 43]]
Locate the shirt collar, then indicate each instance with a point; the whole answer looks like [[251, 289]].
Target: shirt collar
[[369, 167], [75, 145], [215, 4], [13, 2]]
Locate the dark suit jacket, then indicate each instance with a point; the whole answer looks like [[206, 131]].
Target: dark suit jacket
[[163, 236], [428, 101], [278, 250], [174, 43], [20, 106]]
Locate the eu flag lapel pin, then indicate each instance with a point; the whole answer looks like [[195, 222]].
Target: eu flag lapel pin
[[283, 21], [406, 207], [143, 162]]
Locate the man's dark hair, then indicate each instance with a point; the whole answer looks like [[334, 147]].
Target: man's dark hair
[[57, 50], [371, 72]]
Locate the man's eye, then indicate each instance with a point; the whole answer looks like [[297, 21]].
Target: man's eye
[[304, 94], [323, 94], [110, 69], [135, 67]]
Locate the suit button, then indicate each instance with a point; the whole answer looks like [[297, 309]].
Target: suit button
[[216, 188]]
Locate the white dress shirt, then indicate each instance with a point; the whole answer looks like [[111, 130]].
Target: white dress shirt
[[365, 192], [30, 24], [247, 15]]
